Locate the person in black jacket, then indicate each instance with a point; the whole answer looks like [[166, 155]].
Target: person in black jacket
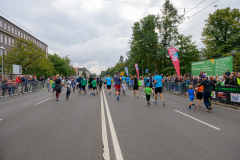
[[207, 84]]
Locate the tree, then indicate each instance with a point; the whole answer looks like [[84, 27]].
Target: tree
[[84, 74], [94, 75], [187, 51], [121, 59], [32, 59], [221, 33], [168, 30]]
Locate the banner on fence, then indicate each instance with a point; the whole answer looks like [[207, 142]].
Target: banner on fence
[[175, 60], [235, 97]]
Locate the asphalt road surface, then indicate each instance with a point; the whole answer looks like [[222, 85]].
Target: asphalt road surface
[[37, 127]]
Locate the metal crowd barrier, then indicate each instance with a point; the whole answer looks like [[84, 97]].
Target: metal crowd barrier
[[223, 94], [15, 88]]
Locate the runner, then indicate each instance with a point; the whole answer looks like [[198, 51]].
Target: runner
[[53, 86], [158, 87], [135, 86], [148, 92], [124, 88], [100, 84], [58, 83], [105, 82], [199, 93], [68, 91], [128, 78], [191, 94], [73, 84], [123, 78], [145, 81], [117, 81], [79, 84], [139, 84], [94, 86], [207, 84], [83, 84], [90, 84], [109, 83]]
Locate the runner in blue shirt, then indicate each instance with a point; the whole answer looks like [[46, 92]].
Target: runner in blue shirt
[[158, 87], [123, 78], [109, 83], [128, 78]]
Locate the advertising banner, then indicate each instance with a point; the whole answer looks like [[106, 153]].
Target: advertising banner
[[137, 70], [126, 70], [235, 97], [122, 73], [175, 60], [213, 66]]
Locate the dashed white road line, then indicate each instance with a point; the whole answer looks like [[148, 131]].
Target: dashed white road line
[[1, 119], [198, 120], [106, 154], [118, 152], [43, 101]]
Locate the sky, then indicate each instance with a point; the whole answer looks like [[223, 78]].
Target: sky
[[95, 33]]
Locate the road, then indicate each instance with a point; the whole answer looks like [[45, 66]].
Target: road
[[36, 127]]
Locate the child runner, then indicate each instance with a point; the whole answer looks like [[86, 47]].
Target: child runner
[[191, 94], [124, 88], [53, 86], [94, 86], [109, 81], [148, 92], [83, 84], [68, 91], [199, 93], [139, 84], [130, 84], [73, 84]]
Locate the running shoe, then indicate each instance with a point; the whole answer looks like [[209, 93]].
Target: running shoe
[[207, 111], [210, 108], [189, 108], [108, 93], [57, 99], [154, 102], [118, 98], [164, 103], [149, 103], [195, 107]]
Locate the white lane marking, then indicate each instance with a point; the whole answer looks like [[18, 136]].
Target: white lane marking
[[43, 101], [1, 119], [118, 152], [144, 96], [199, 120], [63, 92], [106, 154], [151, 99]]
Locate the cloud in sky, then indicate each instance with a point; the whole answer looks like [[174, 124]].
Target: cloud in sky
[[95, 33]]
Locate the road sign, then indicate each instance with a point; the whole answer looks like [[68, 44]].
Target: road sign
[[146, 70], [122, 73]]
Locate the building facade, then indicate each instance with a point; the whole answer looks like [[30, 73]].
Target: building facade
[[9, 32], [79, 71]]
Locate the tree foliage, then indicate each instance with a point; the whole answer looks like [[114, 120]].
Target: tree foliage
[[221, 33]]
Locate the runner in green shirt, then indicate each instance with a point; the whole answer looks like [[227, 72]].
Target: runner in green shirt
[[139, 84], [148, 92], [53, 86], [94, 85], [83, 84]]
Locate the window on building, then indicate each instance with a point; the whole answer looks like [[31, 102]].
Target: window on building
[[5, 26], [15, 32], [21, 35], [1, 24], [18, 33], [5, 39], [12, 30], [1, 40], [9, 41], [9, 28], [24, 36], [12, 42]]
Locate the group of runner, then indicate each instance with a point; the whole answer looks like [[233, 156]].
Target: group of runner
[[154, 85]]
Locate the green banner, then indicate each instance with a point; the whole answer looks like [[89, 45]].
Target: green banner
[[213, 66], [222, 64], [207, 66]]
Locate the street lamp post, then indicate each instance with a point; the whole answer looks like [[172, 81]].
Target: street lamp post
[[2, 49]]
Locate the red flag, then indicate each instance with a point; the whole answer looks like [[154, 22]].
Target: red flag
[[136, 66], [175, 60]]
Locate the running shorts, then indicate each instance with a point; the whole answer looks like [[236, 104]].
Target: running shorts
[[151, 86], [117, 87], [94, 88], [135, 88], [199, 95], [158, 90], [105, 82], [90, 86], [191, 99], [79, 85], [108, 86]]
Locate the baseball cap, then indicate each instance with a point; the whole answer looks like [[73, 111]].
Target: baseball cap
[[148, 84]]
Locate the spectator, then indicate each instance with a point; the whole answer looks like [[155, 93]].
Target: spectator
[[238, 79], [195, 81], [205, 73], [231, 81], [227, 73]]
